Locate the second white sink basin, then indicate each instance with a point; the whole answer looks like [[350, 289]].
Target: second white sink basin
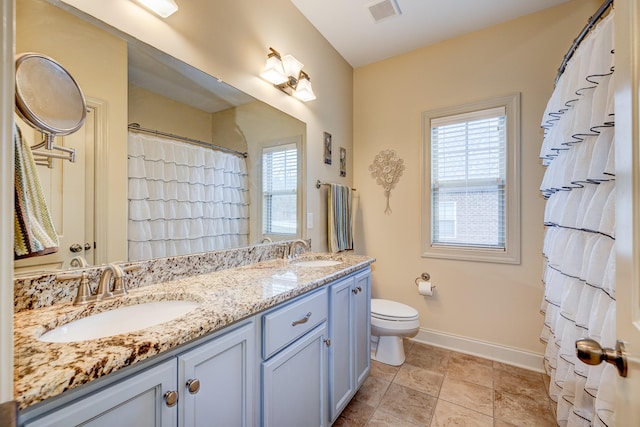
[[119, 321], [317, 263]]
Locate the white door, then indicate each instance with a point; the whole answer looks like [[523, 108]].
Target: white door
[[69, 191], [627, 40]]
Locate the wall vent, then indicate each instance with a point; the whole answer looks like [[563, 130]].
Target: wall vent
[[381, 10]]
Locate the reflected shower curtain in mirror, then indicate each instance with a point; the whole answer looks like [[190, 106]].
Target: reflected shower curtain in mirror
[[579, 185], [184, 198]]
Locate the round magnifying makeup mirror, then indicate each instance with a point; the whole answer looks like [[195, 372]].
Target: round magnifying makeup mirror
[[47, 97]]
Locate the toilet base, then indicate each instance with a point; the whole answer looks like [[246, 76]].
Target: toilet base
[[390, 351]]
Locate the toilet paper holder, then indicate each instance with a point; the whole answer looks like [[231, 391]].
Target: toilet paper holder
[[425, 277]]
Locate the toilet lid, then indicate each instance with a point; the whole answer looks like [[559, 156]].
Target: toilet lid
[[386, 309]]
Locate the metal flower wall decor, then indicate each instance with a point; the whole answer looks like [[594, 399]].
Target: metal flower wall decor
[[387, 169]]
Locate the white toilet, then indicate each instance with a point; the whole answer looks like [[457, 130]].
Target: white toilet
[[392, 321]]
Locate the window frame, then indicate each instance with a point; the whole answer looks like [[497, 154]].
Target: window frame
[[511, 253], [297, 141]]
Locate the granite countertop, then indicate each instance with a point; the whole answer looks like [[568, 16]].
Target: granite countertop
[[43, 370]]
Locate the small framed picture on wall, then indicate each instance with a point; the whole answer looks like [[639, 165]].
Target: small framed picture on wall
[[327, 148], [343, 161]]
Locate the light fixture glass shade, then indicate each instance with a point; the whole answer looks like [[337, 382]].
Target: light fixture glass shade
[[162, 8], [292, 66], [273, 71], [303, 91]]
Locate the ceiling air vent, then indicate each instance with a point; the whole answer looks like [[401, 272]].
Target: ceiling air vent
[[381, 10]]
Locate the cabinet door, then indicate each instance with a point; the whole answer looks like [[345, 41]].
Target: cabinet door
[[294, 383], [341, 368], [224, 371], [362, 327], [137, 401]]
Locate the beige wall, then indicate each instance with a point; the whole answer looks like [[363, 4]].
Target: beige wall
[[491, 303], [153, 111], [230, 40], [98, 61]]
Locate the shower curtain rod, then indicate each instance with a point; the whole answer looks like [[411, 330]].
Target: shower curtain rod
[[137, 128], [590, 24]]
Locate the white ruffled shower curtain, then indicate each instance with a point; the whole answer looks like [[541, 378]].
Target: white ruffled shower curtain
[[184, 198], [579, 276]]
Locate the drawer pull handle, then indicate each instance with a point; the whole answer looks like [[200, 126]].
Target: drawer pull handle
[[301, 321], [193, 385], [171, 398]]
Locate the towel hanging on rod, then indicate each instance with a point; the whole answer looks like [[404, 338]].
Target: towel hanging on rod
[[137, 128]]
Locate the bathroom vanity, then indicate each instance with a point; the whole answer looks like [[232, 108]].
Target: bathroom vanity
[[273, 343]]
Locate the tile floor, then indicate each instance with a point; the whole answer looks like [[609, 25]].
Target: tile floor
[[437, 387]]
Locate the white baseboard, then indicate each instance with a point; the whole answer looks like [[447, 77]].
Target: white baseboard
[[486, 350]]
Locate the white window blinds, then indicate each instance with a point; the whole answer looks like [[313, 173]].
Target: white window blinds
[[468, 179], [279, 188]]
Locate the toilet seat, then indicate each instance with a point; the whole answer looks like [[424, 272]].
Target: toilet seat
[[392, 310]]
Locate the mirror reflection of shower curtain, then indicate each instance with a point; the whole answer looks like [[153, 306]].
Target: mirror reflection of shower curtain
[[184, 199], [579, 276]]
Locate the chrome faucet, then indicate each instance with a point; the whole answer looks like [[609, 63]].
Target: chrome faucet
[[293, 245]]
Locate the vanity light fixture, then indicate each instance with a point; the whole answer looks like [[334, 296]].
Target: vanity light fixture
[[285, 73], [162, 8]]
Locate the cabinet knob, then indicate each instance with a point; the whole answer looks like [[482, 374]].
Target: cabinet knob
[[327, 342], [171, 398], [193, 385], [355, 291], [75, 248], [359, 288]]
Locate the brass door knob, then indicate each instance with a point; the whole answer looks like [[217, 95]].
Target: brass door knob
[[75, 248], [591, 352]]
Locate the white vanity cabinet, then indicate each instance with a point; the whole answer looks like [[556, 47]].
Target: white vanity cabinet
[[294, 366], [136, 401], [216, 381], [208, 385], [350, 334], [306, 358]]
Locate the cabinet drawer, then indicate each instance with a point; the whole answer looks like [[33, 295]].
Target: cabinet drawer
[[286, 324]]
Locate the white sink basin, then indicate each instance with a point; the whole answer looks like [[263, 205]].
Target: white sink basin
[[119, 321], [317, 263]]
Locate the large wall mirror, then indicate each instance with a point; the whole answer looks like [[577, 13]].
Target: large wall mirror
[[93, 201]]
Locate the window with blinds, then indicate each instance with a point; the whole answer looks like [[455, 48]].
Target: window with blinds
[[279, 189], [468, 155], [471, 203]]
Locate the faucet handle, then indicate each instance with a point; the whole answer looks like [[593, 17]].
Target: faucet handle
[[84, 291], [119, 287], [132, 267]]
